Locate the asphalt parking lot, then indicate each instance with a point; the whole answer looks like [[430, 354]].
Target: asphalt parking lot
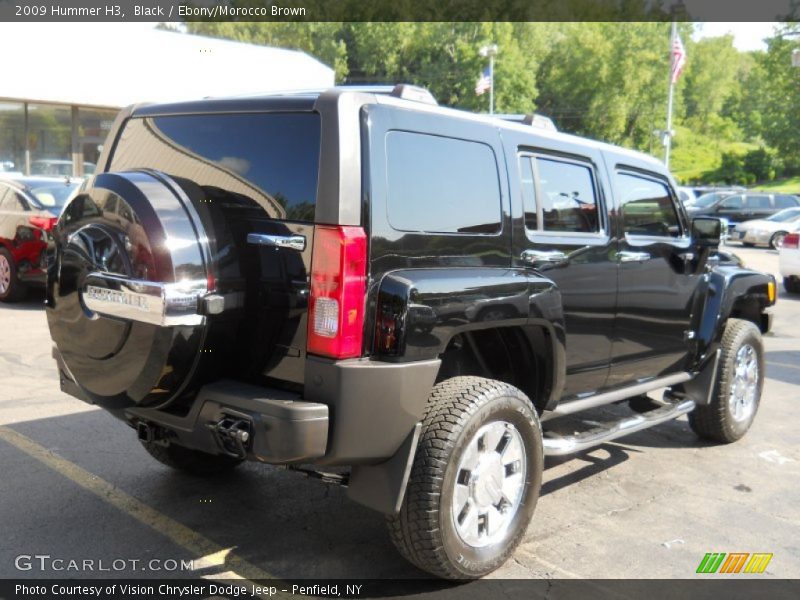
[[75, 484]]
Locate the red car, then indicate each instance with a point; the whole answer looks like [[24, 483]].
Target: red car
[[29, 208]]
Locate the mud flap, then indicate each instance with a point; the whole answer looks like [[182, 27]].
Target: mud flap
[[382, 487], [701, 386]]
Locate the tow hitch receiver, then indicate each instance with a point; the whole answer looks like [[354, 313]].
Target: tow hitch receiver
[[233, 435]]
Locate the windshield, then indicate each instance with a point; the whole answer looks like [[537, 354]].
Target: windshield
[[707, 200], [53, 195], [789, 214]]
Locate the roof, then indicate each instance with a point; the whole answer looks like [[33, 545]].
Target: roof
[[305, 100], [120, 64]]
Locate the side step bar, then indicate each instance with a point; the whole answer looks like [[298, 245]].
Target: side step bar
[[630, 391], [561, 445]]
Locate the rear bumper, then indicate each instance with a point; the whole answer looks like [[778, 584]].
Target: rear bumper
[[353, 412]]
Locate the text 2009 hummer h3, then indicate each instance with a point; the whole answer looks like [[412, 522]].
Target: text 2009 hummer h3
[[357, 278]]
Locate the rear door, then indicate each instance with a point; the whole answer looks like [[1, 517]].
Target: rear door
[[758, 206], [252, 177], [562, 230]]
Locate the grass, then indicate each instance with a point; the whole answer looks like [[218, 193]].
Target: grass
[[693, 153], [790, 185]]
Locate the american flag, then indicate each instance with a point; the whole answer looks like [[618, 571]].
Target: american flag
[[678, 58], [485, 82]]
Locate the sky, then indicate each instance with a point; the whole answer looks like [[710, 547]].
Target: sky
[[746, 36]]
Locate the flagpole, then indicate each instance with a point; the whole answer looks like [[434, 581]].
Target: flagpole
[[491, 81], [668, 131], [490, 50]]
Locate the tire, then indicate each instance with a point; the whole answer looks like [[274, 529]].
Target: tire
[[190, 461], [776, 241], [11, 288], [733, 407], [791, 285], [460, 412]]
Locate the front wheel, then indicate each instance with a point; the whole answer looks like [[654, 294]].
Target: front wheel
[[475, 479], [737, 392]]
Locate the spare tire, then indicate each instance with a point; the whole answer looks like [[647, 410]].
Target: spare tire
[[125, 289]]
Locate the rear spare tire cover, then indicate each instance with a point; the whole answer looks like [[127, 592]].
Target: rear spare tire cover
[[130, 265]]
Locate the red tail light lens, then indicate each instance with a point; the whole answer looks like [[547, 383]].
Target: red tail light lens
[[46, 223], [338, 287], [792, 240]]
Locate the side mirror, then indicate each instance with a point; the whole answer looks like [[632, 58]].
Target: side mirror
[[706, 232]]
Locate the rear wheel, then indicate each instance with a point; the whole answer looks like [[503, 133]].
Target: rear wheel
[[737, 392], [776, 241], [191, 461], [475, 479], [791, 285], [11, 288]]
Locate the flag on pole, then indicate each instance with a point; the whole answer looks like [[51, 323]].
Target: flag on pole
[[485, 82], [678, 58]]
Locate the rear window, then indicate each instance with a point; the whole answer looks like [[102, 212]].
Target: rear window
[[785, 201], [272, 159], [441, 185]]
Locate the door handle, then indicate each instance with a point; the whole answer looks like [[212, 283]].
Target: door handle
[[538, 257], [627, 256], [293, 242]]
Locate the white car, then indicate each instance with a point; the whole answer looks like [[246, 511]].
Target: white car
[[790, 262], [768, 232]]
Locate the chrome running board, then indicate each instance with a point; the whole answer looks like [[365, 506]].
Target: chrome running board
[[637, 389], [561, 445]]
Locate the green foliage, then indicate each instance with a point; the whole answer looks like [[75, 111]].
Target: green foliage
[[601, 79]]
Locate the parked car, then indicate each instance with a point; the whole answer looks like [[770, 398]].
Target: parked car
[[408, 291], [686, 195], [767, 232], [789, 262], [57, 166], [29, 208], [702, 190], [737, 208]]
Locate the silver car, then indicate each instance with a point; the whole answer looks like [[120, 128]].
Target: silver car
[[768, 232]]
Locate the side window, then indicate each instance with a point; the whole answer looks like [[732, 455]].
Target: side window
[[732, 203], [785, 201], [528, 193], [647, 207], [760, 201], [441, 185], [567, 196]]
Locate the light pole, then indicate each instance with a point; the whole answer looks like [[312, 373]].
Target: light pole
[[490, 50]]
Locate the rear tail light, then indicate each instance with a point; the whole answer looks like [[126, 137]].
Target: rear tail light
[[792, 240], [45, 223], [338, 286]]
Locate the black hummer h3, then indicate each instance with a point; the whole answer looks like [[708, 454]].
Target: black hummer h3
[[364, 279]]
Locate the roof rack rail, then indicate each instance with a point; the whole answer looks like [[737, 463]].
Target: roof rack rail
[[531, 119], [406, 91]]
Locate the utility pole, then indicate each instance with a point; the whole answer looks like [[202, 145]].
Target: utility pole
[[490, 51]]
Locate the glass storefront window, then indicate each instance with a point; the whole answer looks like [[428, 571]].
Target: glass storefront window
[[94, 125], [12, 137], [50, 139]]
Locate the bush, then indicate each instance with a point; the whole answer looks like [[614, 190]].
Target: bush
[[755, 166]]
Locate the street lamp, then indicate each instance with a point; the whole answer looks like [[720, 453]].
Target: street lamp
[[490, 50]]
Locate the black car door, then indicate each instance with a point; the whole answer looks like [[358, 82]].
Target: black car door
[[656, 279], [757, 206], [562, 230]]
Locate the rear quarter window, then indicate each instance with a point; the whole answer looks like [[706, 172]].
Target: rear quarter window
[[269, 158], [440, 184]]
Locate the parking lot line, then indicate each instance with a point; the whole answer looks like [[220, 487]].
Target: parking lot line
[[209, 553]]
